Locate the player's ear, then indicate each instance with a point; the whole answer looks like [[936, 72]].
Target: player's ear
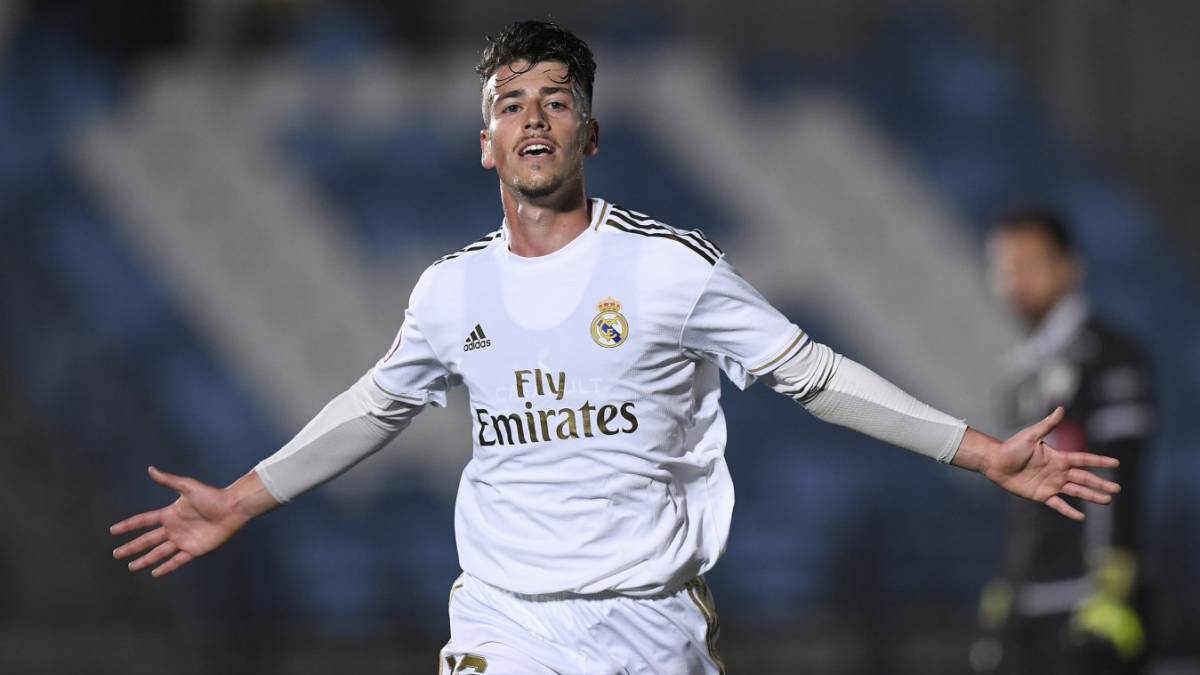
[[592, 145], [485, 151]]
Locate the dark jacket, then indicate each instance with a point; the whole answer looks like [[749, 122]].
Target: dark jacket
[[1103, 380]]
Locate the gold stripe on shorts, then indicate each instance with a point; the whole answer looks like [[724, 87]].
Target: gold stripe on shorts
[[698, 591], [458, 583]]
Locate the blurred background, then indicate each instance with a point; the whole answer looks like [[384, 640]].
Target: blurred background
[[212, 212]]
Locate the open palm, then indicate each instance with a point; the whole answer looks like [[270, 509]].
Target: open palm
[[198, 522], [1026, 465]]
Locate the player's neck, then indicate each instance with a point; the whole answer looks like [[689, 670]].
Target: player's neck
[[542, 226]]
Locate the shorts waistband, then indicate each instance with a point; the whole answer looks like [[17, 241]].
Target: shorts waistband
[[602, 595]]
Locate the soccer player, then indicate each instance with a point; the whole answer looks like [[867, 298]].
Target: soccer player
[[1070, 596], [590, 339]]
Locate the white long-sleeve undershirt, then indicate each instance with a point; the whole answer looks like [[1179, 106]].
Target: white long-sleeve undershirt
[[841, 391], [351, 427]]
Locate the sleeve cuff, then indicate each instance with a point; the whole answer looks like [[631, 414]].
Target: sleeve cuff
[[776, 357], [268, 483], [948, 451]]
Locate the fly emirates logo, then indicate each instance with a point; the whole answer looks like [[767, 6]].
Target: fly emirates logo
[[545, 422]]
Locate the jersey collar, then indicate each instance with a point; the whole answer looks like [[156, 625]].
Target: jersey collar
[[599, 211]]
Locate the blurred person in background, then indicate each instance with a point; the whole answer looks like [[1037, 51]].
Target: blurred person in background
[[1070, 598], [597, 494]]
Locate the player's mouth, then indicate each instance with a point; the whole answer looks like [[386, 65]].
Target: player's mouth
[[535, 149]]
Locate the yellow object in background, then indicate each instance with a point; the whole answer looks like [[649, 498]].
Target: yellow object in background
[[1107, 614], [1115, 572], [1113, 621], [995, 604]]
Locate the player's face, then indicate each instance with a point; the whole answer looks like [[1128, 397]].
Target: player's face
[[1029, 272], [536, 136]]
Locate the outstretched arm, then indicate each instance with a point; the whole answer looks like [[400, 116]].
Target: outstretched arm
[[841, 391], [738, 329], [355, 424]]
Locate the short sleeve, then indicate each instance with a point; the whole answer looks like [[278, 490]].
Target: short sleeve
[[411, 370], [733, 325]]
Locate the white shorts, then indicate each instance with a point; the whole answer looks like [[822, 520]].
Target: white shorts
[[510, 634]]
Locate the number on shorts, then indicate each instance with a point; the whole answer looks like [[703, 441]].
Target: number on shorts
[[471, 664]]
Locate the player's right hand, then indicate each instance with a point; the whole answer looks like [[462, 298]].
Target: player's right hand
[[199, 521]]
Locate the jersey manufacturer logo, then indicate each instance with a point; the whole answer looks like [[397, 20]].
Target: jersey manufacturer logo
[[610, 328], [476, 340]]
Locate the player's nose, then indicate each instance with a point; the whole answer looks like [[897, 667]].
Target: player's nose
[[534, 119]]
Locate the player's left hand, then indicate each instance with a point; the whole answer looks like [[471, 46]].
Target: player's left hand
[[201, 519], [1026, 465]]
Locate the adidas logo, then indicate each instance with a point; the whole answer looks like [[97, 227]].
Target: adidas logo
[[476, 340]]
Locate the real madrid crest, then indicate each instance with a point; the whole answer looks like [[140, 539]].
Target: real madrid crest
[[610, 328]]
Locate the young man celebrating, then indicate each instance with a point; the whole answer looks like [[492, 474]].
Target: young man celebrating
[[590, 339]]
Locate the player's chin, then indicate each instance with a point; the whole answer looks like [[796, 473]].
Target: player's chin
[[539, 186]]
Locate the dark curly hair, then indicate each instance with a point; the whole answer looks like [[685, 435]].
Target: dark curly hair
[[1049, 221], [537, 41]]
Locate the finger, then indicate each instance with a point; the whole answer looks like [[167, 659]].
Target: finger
[[1089, 479], [151, 538], [1088, 494], [1044, 427], [138, 522], [1058, 504], [177, 483], [182, 558], [1088, 459], [161, 551]]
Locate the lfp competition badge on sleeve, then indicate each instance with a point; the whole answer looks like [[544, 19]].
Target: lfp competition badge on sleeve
[[610, 328]]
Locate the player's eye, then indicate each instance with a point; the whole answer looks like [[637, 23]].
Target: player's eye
[[557, 105], [512, 107]]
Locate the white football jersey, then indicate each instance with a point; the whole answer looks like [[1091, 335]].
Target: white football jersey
[[593, 381]]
